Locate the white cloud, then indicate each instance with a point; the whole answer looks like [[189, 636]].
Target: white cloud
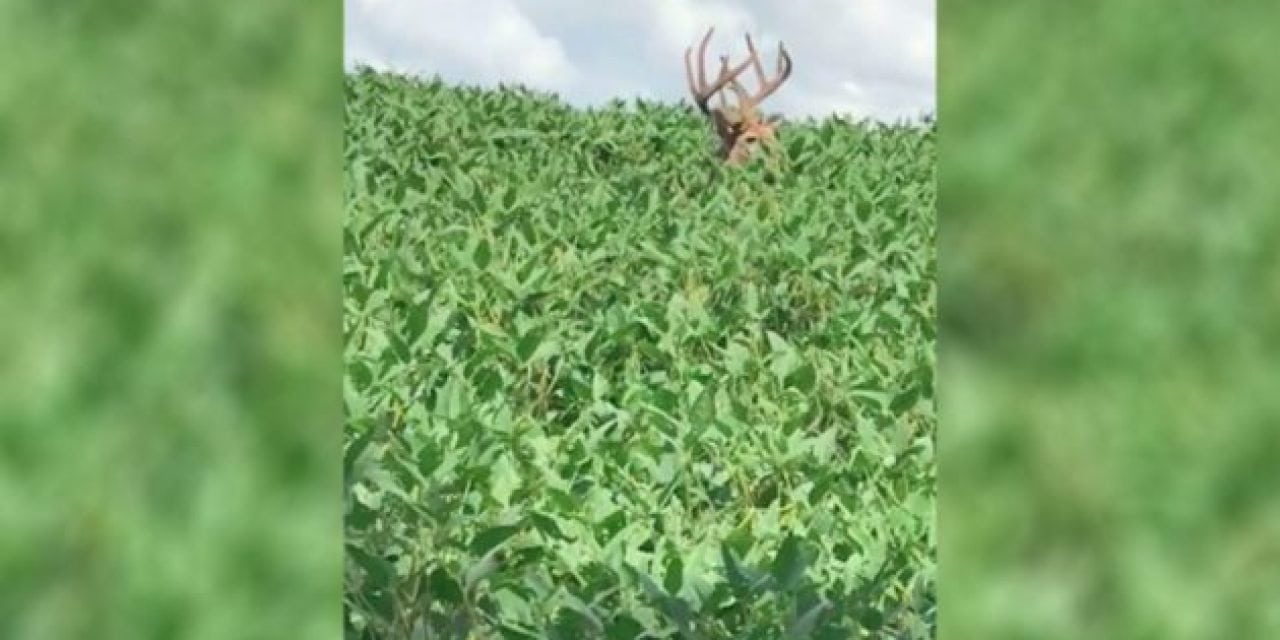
[[866, 58], [480, 42]]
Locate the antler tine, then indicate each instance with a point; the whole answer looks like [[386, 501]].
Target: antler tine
[[702, 60], [784, 63], [744, 99], [755, 61], [724, 68], [689, 75], [767, 87]]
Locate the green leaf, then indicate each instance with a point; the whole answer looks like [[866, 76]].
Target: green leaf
[[802, 378], [444, 587], [487, 540], [824, 448], [529, 343], [623, 627], [368, 497], [575, 604], [380, 572], [512, 632], [354, 405], [548, 526], [741, 577], [674, 577], [415, 322], [482, 253], [599, 386], [418, 182], [504, 479], [703, 411], [664, 400], [487, 382], [354, 449], [803, 626], [871, 618], [788, 566], [676, 609], [609, 527], [777, 344], [905, 400], [399, 347], [451, 400], [482, 569]]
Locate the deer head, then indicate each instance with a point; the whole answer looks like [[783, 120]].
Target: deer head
[[740, 127]]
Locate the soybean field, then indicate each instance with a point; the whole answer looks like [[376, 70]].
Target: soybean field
[[598, 386]]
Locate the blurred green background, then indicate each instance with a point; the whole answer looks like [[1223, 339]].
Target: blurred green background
[[170, 180], [170, 384], [1110, 307]]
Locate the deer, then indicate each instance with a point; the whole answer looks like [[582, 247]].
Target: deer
[[740, 127]]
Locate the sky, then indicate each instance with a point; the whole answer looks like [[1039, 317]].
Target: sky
[[857, 58]]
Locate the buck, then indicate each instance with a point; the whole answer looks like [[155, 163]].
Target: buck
[[740, 127]]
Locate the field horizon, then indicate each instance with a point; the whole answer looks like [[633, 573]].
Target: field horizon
[[925, 119]]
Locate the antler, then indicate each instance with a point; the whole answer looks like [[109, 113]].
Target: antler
[[701, 91]]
